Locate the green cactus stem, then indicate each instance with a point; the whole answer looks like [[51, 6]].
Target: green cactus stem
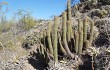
[[64, 36], [85, 29], [68, 31], [55, 47], [69, 10], [49, 38], [76, 41], [80, 42], [91, 31]]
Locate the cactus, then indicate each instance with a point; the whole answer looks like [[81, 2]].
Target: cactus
[[68, 31], [55, 40], [69, 10], [64, 35], [41, 43], [44, 38], [49, 38], [76, 41], [60, 43], [85, 29], [87, 44], [80, 42], [64, 26], [91, 31], [79, 25]]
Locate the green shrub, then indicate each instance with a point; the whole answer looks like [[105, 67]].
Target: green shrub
[[28, 22]]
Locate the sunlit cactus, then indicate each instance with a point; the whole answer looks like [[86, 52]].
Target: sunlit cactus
[[64, 35], [85, 29], [69, 10], [55, 47], [80, 25], [64, 26], [91, 31], [68, 31], [49, 38], [80, 46]]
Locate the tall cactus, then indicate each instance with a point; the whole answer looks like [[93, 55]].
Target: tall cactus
[[49, 38], [64, 35], [80, 27], [85, 29], [91, 31], [80, 42], [68, 31], [69, 10], [76, 41], [55, 40]]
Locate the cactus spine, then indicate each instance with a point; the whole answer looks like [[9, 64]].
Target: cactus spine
[[76, 41], [91, 31], [85, 29], [55, 40], [49, 38]]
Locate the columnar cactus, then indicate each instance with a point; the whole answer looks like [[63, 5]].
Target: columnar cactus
[[69, 10], [64, 35], [64, 26], [76, 41], [80, 25], [41, 44], [91, 31], [55, 40], [68, 31], [80, 42], [85, 29], [49, 38], [44, 38]]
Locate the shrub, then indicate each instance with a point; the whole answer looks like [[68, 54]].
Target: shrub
[[28, 22]]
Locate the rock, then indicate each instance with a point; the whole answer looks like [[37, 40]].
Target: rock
[[105, 2]]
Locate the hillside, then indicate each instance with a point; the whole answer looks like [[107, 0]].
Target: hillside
[[78, 39]]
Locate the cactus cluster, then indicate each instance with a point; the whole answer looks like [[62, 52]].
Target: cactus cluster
[[65, 39]]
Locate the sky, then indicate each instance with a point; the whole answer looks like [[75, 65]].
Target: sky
[[41, 9]]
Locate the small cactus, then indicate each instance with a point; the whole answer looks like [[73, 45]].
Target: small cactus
[[86, 44]]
